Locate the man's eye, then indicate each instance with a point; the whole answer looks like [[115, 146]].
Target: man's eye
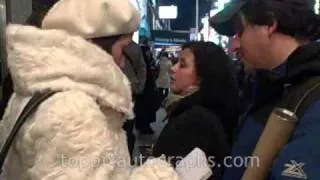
[[182, 65]]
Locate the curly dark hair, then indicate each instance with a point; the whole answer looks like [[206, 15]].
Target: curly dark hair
[[293, 17], [218, 90]]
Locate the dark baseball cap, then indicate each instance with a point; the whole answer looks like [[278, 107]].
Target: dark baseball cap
[[223, 21]]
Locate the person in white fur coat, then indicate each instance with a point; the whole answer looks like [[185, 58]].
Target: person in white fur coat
[[77, 133]]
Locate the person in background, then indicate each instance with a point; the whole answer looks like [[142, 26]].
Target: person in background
[[7, 90], [135, 70], [146, 102], [7, 87], [285, 31], [204, 115], [163, 80], [76, 134]]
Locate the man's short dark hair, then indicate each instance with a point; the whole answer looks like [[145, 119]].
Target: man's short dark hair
[[293, 17]]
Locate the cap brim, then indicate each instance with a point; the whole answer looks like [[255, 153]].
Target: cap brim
[[222, 21]]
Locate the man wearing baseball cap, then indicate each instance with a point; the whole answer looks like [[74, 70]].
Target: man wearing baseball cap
[[278, 36]]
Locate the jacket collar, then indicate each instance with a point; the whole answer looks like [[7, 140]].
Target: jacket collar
[[302, 63]]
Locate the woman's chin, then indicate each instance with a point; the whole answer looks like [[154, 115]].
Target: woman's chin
[[174, 90]]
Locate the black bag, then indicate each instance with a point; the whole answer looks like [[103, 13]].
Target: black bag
[[28, 110]]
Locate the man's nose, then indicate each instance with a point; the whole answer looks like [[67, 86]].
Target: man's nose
[[235, 43]]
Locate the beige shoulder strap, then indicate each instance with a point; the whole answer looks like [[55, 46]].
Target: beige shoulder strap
[[276, 134]]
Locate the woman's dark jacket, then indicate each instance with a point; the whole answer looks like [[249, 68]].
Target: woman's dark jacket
[[190, 125]]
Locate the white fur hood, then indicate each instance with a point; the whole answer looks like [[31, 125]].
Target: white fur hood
[[53, 59]]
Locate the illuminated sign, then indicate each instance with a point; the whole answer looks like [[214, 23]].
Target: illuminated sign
[[168, 12]]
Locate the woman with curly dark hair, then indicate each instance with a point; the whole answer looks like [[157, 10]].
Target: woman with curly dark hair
[[205, 114]]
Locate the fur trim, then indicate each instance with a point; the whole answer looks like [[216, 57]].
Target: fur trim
[[53, 59]]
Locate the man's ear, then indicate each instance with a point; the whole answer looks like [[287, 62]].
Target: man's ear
[[272, 28]]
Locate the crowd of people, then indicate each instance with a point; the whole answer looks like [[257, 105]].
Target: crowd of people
[[104, 85]]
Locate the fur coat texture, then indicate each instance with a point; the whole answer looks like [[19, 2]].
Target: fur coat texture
[[77, 133]]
